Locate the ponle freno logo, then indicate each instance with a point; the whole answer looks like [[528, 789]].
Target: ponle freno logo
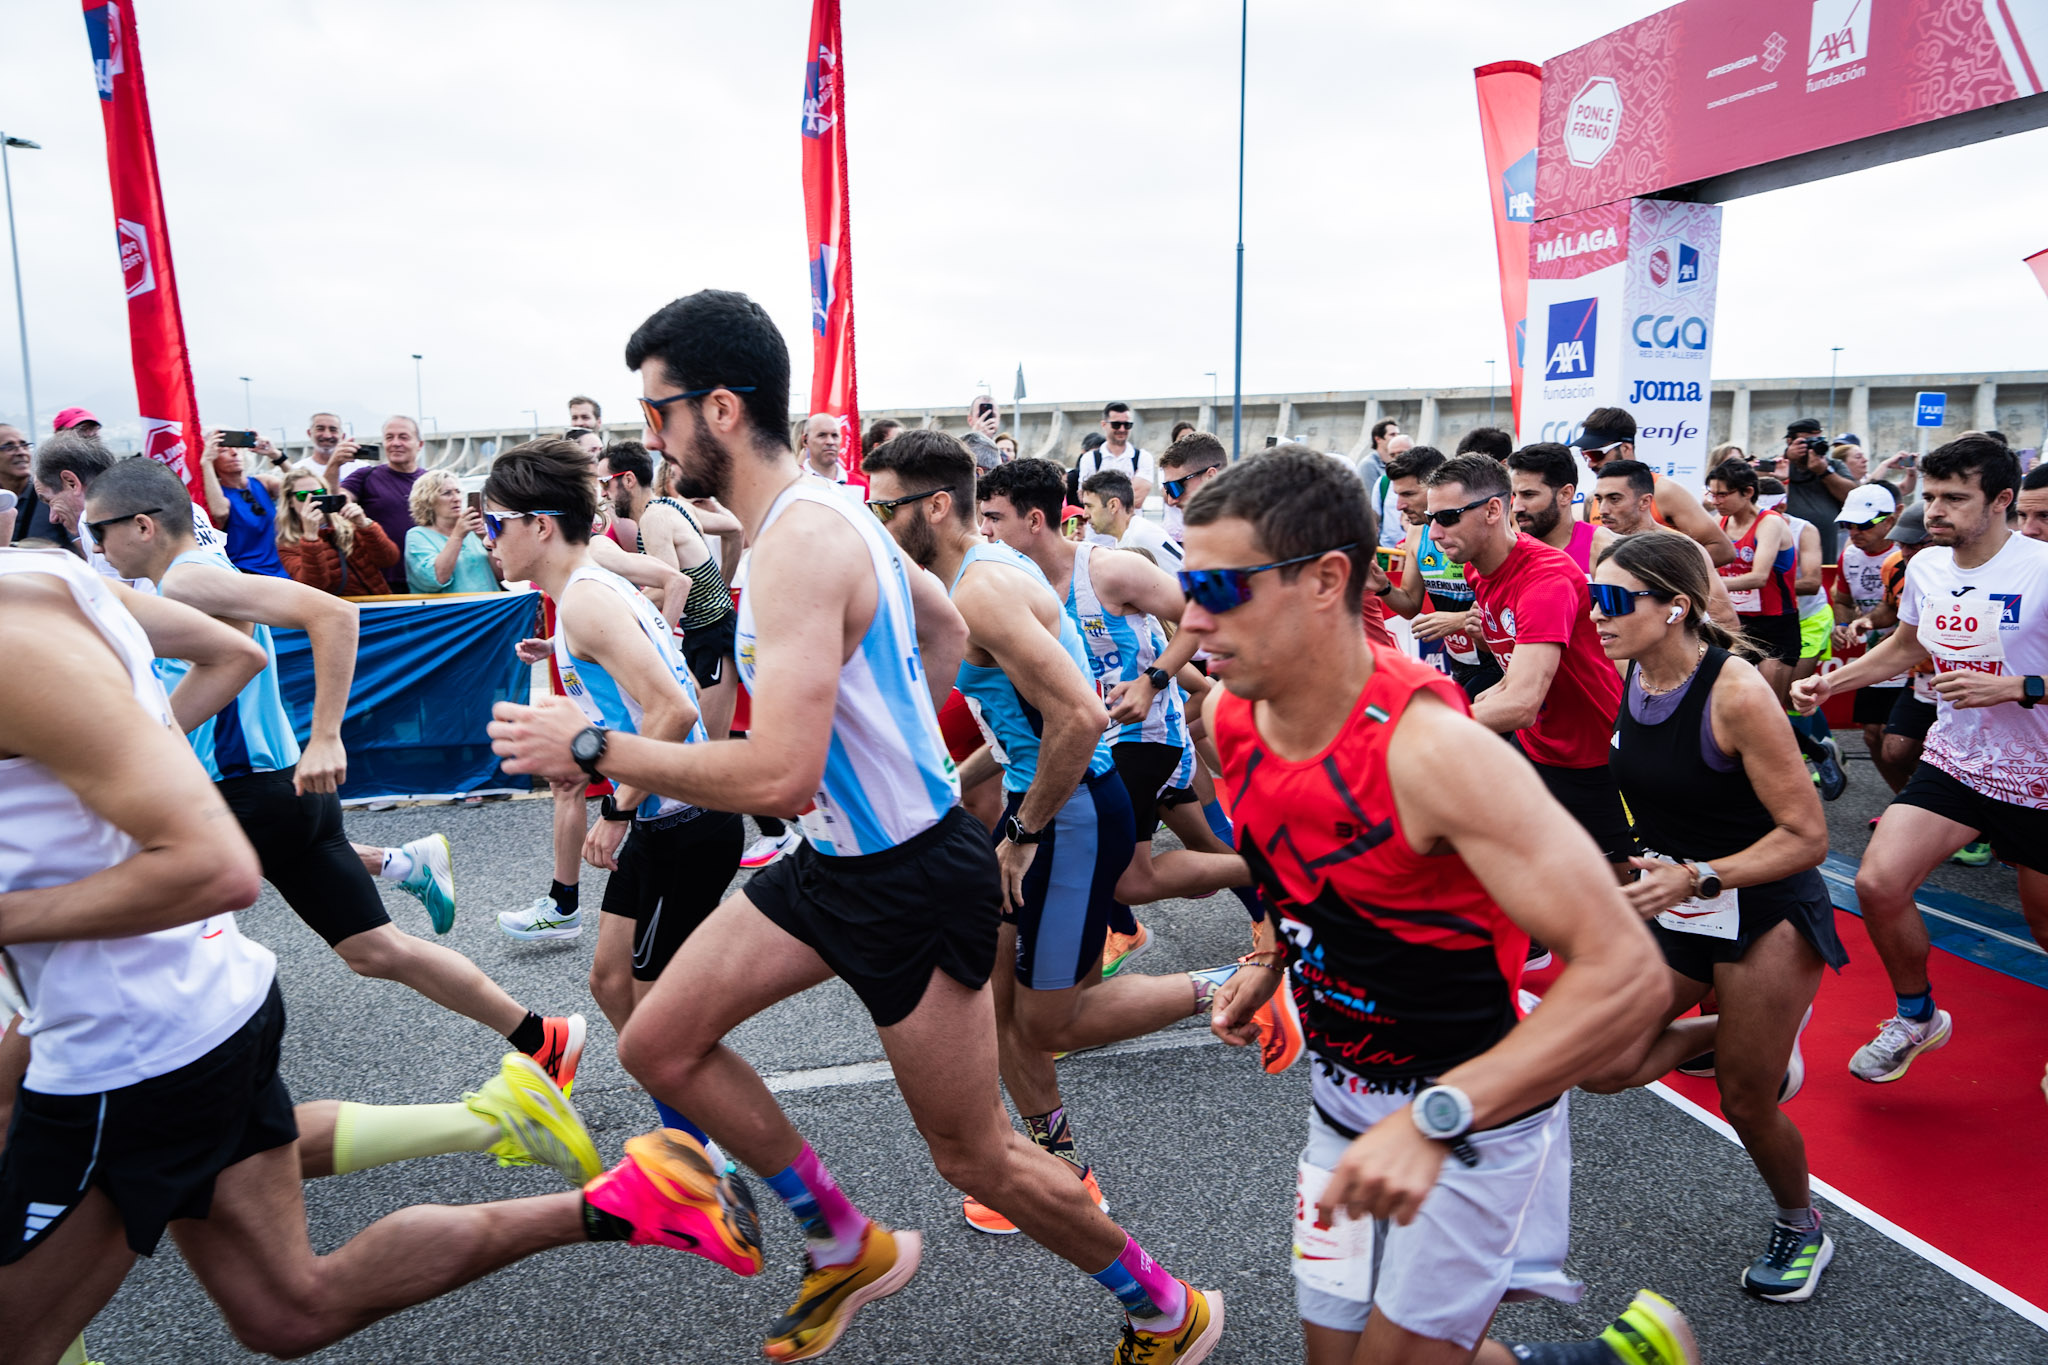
[[1840, 35], [1573, 329], [163, 442], [1592, 123], [138, 272]]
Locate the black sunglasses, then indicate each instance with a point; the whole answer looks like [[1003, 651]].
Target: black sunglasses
[[885, 508], [98, 529], [651, 408], [1119, 426], [1450, 515], [1219, 590]]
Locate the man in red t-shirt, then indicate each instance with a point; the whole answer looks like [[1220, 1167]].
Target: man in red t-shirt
[[1559, 694]]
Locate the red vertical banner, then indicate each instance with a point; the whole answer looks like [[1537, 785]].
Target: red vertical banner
[[2038, 263], [156, 331], [828, 220], [1509, 94]]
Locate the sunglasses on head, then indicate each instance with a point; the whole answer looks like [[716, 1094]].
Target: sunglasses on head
[[1614, 601], [885, 508], [1451, 515], [98, 529], [1219, 590], [494, 522], [651, 408]]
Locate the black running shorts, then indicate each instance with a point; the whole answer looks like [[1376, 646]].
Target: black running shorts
[[1777, 636], [2017, 834], [305, 854], [708, 649], [883, 920], [1801, 898], [1873, 705], [1911, 717], [1595, 802], [669, 880], [1145, 768], [154, 1147]]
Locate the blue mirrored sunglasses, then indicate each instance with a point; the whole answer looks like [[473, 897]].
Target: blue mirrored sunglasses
[[1221, 590], [1175, 487], [494, 522], [1613, 601]]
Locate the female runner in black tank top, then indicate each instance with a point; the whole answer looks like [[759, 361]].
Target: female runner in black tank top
[[1707, 763]]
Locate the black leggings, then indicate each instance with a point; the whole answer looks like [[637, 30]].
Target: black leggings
[[305, 854]]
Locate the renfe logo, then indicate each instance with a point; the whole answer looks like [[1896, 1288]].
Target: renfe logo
[[137, 271], [1518, 190], [1573, 328], [1841, 34]]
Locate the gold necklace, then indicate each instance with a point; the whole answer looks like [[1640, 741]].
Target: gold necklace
[[1650, 691]]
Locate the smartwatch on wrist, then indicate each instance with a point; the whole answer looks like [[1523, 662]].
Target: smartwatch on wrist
[[2032, 691], [1159, 678], [587, 748], [608, 809], [1014, 831], [1443, 1113], [1706, 883]]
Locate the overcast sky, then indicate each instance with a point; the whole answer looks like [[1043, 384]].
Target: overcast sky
[[509, 188]]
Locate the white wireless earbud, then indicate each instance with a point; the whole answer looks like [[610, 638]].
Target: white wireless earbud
[[1672, 619]]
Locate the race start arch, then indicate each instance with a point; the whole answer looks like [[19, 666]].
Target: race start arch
[[1641, 133]]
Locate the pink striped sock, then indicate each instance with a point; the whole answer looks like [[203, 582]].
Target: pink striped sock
[[846, 1222]]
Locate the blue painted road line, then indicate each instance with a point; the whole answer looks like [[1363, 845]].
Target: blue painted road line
[[1989, 935]]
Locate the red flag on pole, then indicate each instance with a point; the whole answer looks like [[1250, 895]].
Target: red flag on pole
[[828, 221], [2038, 263], [1508, 96], [156, 332]]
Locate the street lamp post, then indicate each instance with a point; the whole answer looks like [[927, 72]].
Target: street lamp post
[[419, 406], [1490, 373], [1834, 358], [248, 404], [28, 388], [1244, 30]]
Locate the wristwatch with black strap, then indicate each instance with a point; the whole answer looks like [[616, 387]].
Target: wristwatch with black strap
[[587, 748], [2032, 691], [1159, 678], [1014, 831], [608, 809]]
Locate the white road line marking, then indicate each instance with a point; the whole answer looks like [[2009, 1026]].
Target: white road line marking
[[1926, 1251], [1831, 875], [868, 1073]]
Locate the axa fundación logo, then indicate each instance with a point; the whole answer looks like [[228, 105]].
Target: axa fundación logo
[[821, 81], [1837, 43], [1572, 352]]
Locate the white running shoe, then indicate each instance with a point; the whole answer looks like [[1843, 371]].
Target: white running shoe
[[1898, 1042], [765, 850], [542, 919]]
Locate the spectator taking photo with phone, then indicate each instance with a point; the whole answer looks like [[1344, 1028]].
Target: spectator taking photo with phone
[[327, 542]]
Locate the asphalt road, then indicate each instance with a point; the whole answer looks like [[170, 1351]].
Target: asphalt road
[[1195, 1146]]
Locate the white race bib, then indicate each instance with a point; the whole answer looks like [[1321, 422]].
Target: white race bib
[[1750, 600], [1720, 917], [1336, 1259], [1961, 631]]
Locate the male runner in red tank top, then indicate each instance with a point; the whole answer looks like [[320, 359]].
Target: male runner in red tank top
[[1367, 804]]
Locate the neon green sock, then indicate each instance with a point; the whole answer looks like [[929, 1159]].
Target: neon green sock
[[367, 1135], [74, 1354]]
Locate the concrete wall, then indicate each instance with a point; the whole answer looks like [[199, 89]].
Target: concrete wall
[[1751, 412]]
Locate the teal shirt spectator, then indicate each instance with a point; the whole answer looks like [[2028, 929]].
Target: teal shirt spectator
[[472, 567]]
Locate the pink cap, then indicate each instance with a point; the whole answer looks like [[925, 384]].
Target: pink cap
[[70, 418]]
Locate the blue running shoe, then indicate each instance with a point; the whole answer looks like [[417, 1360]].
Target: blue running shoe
[[1789, 1270], [432, 882]]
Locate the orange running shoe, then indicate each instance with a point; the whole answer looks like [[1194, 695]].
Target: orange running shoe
[[982, 1218], [561, 1049], [1121, 950], [831, 1295], [1280, 1042]]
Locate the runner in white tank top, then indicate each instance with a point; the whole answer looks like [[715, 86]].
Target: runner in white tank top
[[847, 652]]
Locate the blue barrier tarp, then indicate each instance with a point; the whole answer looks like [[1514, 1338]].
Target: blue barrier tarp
[[427, 675]]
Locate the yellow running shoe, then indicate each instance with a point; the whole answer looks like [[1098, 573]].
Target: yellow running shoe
[[538, 1124], [825, 1307], [1651, 1331], [1186, 1344]]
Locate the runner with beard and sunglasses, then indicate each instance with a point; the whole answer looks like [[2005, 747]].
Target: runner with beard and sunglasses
[[896, 890]]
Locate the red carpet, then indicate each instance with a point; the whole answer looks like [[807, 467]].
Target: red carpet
[[1955, 1153]]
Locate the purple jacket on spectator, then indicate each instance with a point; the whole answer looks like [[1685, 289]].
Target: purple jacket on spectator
[[386, 495]]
